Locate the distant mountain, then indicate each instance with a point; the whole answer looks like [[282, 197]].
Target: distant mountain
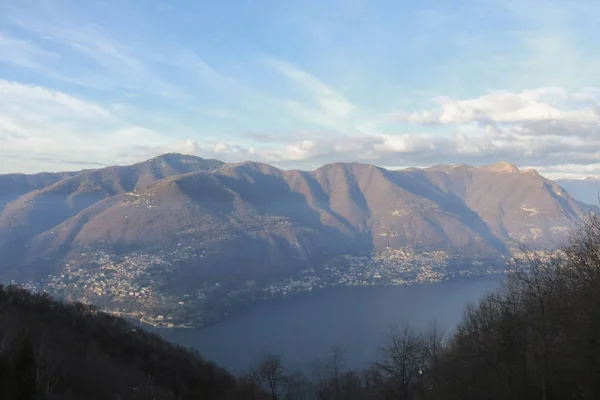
[[15, 185], [586, 190], [237, 226]]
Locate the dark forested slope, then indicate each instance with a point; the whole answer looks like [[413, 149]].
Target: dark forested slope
[[50, 350]]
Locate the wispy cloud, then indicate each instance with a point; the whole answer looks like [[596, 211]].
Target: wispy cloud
[[38, 125], [30, 99], [331, 102], [24, 53], [93, 57], [394, 85]]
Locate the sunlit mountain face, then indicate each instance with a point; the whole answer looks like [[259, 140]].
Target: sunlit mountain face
[[185, 232]]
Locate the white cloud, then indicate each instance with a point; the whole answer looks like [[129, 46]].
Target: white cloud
[[544, 127], [182, 101], [42, 128], [39, 124], [568, 170], [546, 104], [34, 99], [9, 126]]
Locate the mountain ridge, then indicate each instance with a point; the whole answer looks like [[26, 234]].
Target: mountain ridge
[[179, 224], [347, 196]]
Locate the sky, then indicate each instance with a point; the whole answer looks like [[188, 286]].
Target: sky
[[301, 83]]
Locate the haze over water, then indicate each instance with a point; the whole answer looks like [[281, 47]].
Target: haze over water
[[304, 327]]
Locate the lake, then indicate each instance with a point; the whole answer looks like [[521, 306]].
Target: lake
[[305, 326]]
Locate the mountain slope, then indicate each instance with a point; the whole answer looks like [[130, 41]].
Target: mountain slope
[[244, 231], [398, 209], [52, 350], [15, 185], [267, 216], [178, 230], [518, 206], [47, 206]]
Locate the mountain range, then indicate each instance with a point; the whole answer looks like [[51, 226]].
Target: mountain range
[[251, 207], [247, 222]]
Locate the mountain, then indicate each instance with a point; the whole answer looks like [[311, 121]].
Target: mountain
[[518, 206], [253, 211], [52, 350], [16, 185], [586, 190], [177, 226], [53, 200]]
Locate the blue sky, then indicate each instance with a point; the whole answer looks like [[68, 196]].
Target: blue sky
[[300, 83]]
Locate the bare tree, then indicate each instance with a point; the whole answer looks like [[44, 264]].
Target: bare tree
[[46, 366], [403, 362], [331, 380], [535, 282], [270, 374], [327, 375], [434, 346]]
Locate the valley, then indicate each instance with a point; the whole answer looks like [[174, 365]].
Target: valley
[[133, 285], [180, 241], [292, 200]]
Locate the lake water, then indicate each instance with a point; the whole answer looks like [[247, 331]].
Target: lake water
[[305, 326]]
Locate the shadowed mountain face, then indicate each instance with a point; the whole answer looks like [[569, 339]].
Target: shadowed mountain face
[[12, 186], [253, 220], [586, 190]]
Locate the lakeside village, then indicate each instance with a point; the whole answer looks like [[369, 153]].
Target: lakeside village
[[133, 285]]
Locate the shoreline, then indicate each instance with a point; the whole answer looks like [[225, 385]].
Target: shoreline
[[139, 319]]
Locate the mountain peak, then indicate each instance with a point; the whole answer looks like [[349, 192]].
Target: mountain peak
[[345, 166], [183, 162], [177, 156], [502, 166], [450, 167]]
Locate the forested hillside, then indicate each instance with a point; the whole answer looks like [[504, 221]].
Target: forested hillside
[[50, 350], [537, 337]]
